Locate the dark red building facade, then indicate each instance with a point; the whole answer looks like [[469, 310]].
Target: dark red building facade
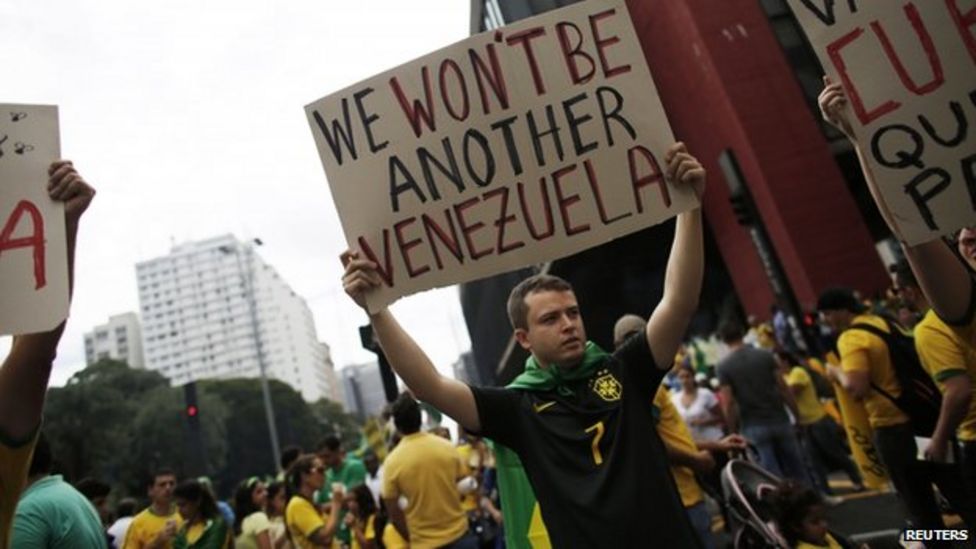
[[726, 83], [738, 76]]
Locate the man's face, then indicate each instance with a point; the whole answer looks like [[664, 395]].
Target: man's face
[[836, 320], [555, 333], [161, 490], [967, 245], [331, 458], [372, 463]]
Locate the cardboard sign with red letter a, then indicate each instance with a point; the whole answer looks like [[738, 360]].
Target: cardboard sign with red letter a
[[33, 251]]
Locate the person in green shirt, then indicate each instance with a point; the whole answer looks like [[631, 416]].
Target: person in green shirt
[[52, 513], [340, 469]]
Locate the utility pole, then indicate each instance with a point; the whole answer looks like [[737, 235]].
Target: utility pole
[[247, 272]]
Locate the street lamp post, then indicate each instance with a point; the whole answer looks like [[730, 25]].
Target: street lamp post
[[248, 274]]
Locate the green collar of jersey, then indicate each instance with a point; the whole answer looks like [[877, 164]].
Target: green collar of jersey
[[537, 378]]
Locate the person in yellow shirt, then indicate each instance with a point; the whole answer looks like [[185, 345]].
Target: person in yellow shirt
[[360, 517], [26, 369], [820, 433], [307, 528], [425, 469], [947, 282], [952, 365], [866, 364], [157, 525], [688, 459]]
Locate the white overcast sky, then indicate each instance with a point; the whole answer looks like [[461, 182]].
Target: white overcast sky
[[187, 117]]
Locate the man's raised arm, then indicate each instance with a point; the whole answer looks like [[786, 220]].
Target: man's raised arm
[[25, 371], [406, 357], [943, 278], [686, 264]]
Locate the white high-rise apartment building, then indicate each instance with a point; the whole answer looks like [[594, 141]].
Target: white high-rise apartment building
[[210, 307], [119, 339]]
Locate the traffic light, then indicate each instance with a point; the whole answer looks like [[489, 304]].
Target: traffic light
[[742, 207], [810, 319], [192, 409]]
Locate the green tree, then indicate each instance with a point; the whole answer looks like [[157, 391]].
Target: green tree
[[330, 415], [159, 436], [248, 441], [87, 420], [119, 424]]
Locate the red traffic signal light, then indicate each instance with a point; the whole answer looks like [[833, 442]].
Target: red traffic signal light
[[192, 411]]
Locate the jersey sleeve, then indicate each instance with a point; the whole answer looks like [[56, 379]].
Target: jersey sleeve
[[939, 353], [853, 347], [258, 522], [798, 378], [307, 520], [134, 534], [499, 414], [30, 530], [635, 354], [388, 487], [369, 531]]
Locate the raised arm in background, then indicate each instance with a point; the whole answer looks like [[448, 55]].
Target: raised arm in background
[[942, 276]]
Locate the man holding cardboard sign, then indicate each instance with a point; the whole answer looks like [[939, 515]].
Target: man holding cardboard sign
[[25, 371], [579, 418]]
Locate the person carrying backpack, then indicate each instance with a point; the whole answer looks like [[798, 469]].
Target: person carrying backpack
[[868, 373]]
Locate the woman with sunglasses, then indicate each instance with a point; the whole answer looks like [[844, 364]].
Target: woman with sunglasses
[[307, 528]]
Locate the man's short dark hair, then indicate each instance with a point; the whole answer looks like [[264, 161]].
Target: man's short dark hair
[[518, 311], [406, 414], [160, 472], [731, 330], [42, 462], [330, 442], [127, 507], [92, 488], [288, 456], [903, 275], [839, 299]]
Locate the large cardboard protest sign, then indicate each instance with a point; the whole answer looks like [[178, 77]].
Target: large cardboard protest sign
[[909, 70], [33, 256], [510, 148]]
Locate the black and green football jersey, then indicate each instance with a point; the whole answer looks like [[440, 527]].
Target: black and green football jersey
[[594, 459]]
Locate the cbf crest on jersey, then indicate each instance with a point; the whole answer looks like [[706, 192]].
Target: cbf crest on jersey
[[607, 386]]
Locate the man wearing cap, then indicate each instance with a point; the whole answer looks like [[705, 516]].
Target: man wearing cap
[[865, 362]]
